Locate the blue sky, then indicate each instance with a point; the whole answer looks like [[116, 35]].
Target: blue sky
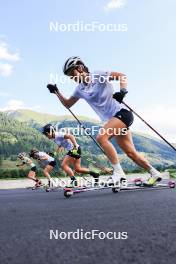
[[29, 52]]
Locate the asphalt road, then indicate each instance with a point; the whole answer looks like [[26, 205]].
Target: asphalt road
[[149, 218]]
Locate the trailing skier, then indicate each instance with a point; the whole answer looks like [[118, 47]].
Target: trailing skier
[[73, 156], [33, 169], [46, 162]]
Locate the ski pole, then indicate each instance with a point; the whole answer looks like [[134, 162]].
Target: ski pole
[[165, 140], [53, 89], [102, 168]]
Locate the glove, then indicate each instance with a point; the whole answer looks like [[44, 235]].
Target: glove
[[120, 95], [50, 154], [52, 88]]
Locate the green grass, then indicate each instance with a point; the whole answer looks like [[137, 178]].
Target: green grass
[[172, 173], [8, 164], [25, 115]]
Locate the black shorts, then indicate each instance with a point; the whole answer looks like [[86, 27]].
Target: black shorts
[[125, 116], [75, 156], [34, 169], [52, 163]]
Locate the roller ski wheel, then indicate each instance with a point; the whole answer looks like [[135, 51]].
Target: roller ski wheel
[[171, 184], [138, 182], [115, 189], [34, 188], [68, 192]]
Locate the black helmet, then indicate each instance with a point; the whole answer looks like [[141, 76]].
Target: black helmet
[[47, 129], [33, 153], [71, 63]]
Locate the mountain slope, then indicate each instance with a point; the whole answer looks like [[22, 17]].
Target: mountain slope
[[32, 117], [22, 136], [17, 136]]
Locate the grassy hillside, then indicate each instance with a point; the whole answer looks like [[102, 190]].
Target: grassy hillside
[[32, 117], [17, 136]]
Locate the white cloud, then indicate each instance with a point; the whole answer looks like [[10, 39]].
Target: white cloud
[[115, 4], [13, 105], [6, 69], [5, 54], [17, 104], [160, 118], [4, 94]]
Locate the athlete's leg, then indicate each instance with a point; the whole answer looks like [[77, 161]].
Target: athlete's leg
[[78, 168], [113, 125], [32, 175], [126, 144], [47, 170], [66, 165]]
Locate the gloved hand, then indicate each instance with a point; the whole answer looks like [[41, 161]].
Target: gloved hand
[[52, 88], [50, 153], [120, 95]]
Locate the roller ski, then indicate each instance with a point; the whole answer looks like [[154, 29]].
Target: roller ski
[[154, 183], [115, 186], [135, 185], [51, 186], [37, 186]]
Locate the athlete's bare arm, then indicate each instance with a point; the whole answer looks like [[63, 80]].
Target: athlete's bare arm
[[122, 78], [67, 102], [44, 158], [21, 165], [60, 149], [72, 139]]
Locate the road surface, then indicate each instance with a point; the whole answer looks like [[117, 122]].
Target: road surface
[[148, 217]]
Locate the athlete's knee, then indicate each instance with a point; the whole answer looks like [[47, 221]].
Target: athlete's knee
[[64, 165], [45, 170], [78, 169], [102, 139]]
